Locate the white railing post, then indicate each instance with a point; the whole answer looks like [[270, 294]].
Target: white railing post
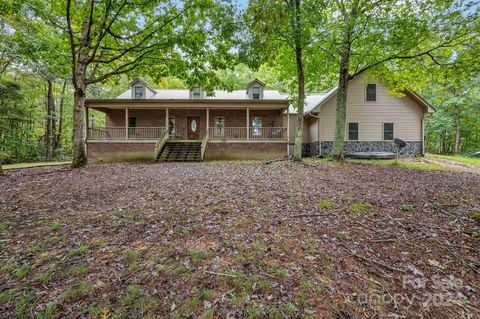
[[126, 123], [248, 123]]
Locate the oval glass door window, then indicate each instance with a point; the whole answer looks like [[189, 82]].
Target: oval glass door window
[[193, 125]]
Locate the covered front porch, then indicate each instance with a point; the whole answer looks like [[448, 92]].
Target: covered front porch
[[189, 124], [244, 132]]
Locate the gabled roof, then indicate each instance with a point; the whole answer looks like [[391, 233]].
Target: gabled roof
[[333, 92], [137, 80], [255, 81]]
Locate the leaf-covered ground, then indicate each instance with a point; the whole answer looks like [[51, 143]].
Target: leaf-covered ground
[[239, 240]]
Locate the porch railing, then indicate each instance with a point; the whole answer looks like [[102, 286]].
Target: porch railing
[[120, 133], [240, 133], [227, 133], [268, 133]]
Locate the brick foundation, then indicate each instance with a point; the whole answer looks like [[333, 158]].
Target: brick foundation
[[115, 152], [253, 151]]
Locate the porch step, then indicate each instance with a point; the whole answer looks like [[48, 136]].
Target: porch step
[[175, 151]]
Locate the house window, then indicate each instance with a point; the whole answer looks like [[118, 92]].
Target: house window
[[219, 126], [132, 122], [138, 92], [371, 92], [388, 131], [256, 91], [257, 125], [171, 126], [353, 131], [196, 92]]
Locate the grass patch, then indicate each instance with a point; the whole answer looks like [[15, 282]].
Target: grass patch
[[407, 207], [416, 164], [475, 217], [7, 296], [326, 204], [79, 269], [360, 208], [197, 257], [22, 272], [138, 302], [77, 291], [44, 277], [78, 251], [48, 312], [457, 158], [24, 305]]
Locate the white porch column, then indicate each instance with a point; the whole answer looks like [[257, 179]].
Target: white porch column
[[208, 120], [288, 130], [126, 123], [319, 137], [248, 123]]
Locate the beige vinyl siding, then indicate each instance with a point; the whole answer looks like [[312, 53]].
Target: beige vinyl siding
[[404, 112], [313, 129]]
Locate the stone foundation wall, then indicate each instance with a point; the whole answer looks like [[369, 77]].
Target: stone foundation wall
[[310, 149], [249, 151], [116, 152], [412, 148]]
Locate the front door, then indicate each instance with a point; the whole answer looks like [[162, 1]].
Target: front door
[[193, 127]]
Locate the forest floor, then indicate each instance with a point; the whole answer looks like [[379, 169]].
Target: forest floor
[[239, 240]]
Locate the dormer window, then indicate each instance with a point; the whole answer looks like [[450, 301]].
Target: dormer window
[[141, 90], [256, 93], [255, 90], [138, 93], [196, 92]]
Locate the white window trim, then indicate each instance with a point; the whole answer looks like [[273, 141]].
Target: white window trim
[[383, 131]]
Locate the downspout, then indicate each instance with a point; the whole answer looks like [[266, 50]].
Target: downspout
[[318, 132]]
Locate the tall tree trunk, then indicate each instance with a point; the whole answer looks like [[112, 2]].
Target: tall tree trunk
[[48, 121], [79, 153], [297, 153], [341, 111], [456, 148], [58, 137]]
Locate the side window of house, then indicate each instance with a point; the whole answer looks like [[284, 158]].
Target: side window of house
[[256, 92], [257, 125], [353, 131], [219, 125], [139, 92], [371, 92], [388, 131]]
